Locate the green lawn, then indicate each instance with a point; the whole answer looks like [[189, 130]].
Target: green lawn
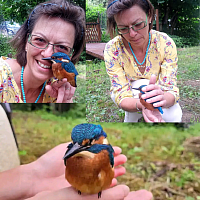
[[158, 160], [79, 96], [100, 107]]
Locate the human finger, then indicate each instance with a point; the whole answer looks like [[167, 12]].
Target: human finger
[[61, 92], [114, 182], [148, 116], [119, 160], [152, 79], [69, 93], [117, 150], [59, 83], [150, 88], [119, 171], [152, 93], [118, 193], [51, 91], [139, 195], [157, 101]]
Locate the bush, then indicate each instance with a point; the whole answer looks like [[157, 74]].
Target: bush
[[179, 41], [5, 46], [184, 41], [105, 37], [92, 12]]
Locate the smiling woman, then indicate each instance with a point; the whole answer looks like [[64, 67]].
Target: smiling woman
[[53, 26]]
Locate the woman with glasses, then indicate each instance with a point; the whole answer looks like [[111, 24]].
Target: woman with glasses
[[53, 26], [140, 56]]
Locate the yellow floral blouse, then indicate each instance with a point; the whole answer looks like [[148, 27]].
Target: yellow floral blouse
[[161, 61], [9, 91]]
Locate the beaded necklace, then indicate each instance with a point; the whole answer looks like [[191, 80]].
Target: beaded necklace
[[146, 51], [22, 86]]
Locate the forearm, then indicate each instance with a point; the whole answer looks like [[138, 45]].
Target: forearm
[[129, 104], [17, 183]]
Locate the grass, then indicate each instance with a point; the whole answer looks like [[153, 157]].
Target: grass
[[100, 107], [79, 96], [158, 160]]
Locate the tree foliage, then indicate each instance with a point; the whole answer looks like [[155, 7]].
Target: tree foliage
[[18, 10], [93, 12], [180, 17]]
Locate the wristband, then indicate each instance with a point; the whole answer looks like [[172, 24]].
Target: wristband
[[136, 106]]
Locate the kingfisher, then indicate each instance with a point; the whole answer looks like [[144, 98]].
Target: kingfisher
[[62, 67], [144, 103], [89, 160]]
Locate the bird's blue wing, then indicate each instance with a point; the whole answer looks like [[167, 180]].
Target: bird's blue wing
[[69, 67]]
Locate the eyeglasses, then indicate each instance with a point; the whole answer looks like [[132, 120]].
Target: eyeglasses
[[41, 43], [135, 27]]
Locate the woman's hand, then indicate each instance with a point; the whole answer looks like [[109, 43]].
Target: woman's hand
[[62, 90], [49, 169], [154, 94], [139, 195], [151, 116], [116, 193]]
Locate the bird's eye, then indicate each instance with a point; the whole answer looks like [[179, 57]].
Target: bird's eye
[[91, 140]]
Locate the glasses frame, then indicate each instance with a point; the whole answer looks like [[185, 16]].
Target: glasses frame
[[128, 28], [30, 42]]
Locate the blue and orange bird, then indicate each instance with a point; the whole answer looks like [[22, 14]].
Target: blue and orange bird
[[144, 103], [62, 67], [89, 160]]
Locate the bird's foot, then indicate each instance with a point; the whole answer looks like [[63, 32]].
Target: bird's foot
[[79, 192], [99, 195]]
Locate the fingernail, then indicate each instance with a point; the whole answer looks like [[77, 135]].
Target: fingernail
[[144, 89], [155, 104], [148, 101], [143, 96]]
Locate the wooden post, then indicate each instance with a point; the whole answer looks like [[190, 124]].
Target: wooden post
[[98, 30], [157, 20]]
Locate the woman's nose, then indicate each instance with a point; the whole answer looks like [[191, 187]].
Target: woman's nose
[[132, 32], [48, 51]]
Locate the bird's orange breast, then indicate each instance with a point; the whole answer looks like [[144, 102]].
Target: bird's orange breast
[[90, 175], [61, 73]]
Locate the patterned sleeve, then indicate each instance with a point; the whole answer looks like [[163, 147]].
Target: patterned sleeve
[[168, 74], [120, 85]]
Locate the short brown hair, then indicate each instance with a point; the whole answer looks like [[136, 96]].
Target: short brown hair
[[121, 5], [62, 9]]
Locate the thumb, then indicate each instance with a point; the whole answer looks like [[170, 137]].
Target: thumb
[[152, 79], [50, 91]]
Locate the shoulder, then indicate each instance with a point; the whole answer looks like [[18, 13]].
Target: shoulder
[[113, 43], [4, 66], [162, 37], [9, 65]]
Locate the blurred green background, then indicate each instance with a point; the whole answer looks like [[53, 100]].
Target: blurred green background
[[162, 158]]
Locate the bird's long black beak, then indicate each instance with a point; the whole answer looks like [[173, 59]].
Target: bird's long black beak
[[136, 88], [48, 58], [76, 148]]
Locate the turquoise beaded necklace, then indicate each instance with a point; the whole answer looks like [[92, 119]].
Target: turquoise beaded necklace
[[22, 86], [146, 51]]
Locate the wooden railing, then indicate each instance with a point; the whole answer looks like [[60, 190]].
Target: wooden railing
[[93, 32]]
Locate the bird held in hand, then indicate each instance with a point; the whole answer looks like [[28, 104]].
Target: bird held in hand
[[62, 67], [89, 160], [144, 103]]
